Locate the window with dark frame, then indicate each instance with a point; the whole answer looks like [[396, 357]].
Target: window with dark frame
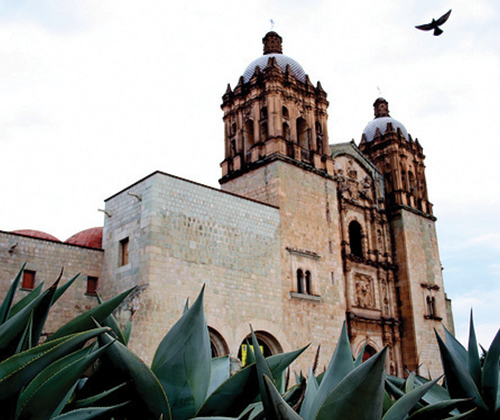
[[91, 285], [124, 251], [300, 281], [28, 282]]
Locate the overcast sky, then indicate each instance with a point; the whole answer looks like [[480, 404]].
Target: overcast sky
[[98, 94]]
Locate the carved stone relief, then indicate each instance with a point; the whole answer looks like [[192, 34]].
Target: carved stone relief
[[364, 296]]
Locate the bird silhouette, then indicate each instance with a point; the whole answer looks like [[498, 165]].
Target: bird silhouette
[[435, 24]]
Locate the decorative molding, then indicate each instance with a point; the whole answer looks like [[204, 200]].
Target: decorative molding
[[430, 286], [303, 253], [304, 296]]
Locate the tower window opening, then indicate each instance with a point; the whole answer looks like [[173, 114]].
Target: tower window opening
[[284, 111], [233, 129], [431, 307], [300, 281], [263, 113], [302, 133], [248, 134], [369, 352], [307, 281], [355, 239], [286, 131], [263, 132], [91, 285]]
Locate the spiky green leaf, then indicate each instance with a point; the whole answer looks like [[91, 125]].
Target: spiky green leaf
[[309, 396], [26, 300], [6, 305], [456, 347], [87, 413], [437, 411], [262, 371], [365, 383], [474, 361], [458, 380], [401, 408], [221, 369], [85, 321], [276, 407], [339, 367], [42, 396], [151, 401], [491, 374], [182, 362]]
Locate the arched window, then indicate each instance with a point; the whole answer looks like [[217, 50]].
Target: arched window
[[302, 133], [218, 345], [413, 184], [355, 239], [318, 128], [300, 281], [267, 343], [248, 134], [284, 111]]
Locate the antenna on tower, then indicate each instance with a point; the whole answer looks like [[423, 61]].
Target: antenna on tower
[[272, 24]]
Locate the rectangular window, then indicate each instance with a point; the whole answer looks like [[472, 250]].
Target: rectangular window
[[91, 285], [124, 251], [28, 280]]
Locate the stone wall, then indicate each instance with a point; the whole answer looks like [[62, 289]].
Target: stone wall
[[183, 235], [47, 258]]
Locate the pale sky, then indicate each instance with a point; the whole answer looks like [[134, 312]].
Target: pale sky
[[98, 94]]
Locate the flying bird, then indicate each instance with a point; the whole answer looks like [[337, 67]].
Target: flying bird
[[435, 24]]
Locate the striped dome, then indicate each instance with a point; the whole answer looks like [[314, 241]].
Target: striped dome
[[281, 60]]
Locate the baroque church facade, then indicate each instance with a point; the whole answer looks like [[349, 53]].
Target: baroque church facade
[[302, 236]]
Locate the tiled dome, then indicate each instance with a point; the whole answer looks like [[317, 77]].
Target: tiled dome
[[36, 234], [281, 60], [381, 124], [91, 238]]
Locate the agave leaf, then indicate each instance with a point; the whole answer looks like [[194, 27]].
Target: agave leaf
[[240, 389], [359, 395], [458, 380], [85, 322], [410, 383], [262, 370], [44, 393], [182, 362], [474, 362], [151, 400], [221, 367], [30, 297], [20, 369], [465, 415], [127, 330], [310, 395], [186, 306], [437, 411], [6, 305], [87, 413], [12, 329], [395, 391], [340, 366], [278, 363], [59, 292], [86, 402], [277, 407], [233, 395], [250, 354], [112, 323], [490, 374], [25, 342], [359, 359], [41, 312], [456, 347], [401, 408], [387, 404], [64, 400], [436, 394]]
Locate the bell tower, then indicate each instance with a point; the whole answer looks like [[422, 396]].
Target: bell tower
[[422, 302], [274, 112]]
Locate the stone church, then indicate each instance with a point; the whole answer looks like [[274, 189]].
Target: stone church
[[302, 236]]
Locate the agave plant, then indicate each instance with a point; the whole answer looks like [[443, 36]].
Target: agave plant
[[466, 377], [37, 380]]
